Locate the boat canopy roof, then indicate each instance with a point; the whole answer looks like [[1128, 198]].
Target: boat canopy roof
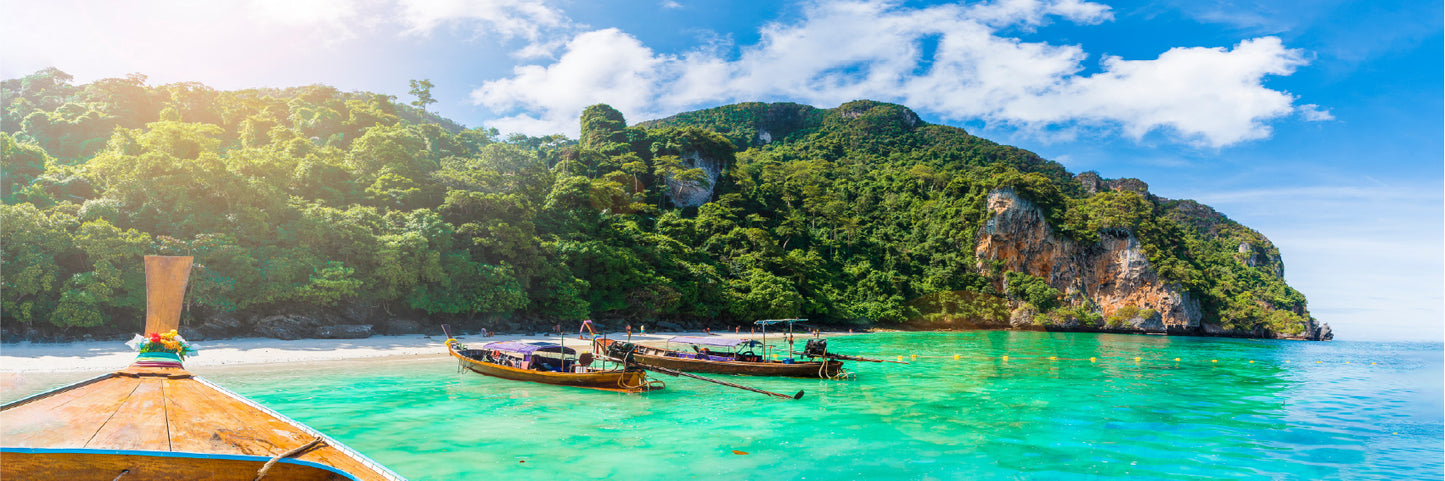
[[714, 341], [769, 322], [527, 347]]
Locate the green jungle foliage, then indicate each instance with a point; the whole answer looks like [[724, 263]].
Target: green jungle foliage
[[312, 196]]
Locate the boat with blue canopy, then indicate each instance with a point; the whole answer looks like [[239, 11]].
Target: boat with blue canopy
[[723, 355], [550, 363]]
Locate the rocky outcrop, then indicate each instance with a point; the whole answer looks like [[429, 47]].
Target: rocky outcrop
[[692, 194], [1094, 184], [344, 331], [1112, 278], [1253, 256], [1106, 277], [287, 327]]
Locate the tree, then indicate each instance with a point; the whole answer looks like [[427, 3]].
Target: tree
[[114, 285], [32, 243], [422, 91], [1032, 290], [602, 127], [20, 164]]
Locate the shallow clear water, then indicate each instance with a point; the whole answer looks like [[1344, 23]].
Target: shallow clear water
[[1337, 410]]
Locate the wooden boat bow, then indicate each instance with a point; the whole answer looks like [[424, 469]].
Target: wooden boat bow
[[156, 420]]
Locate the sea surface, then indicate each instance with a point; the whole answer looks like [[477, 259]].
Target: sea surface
[[1061, 406]]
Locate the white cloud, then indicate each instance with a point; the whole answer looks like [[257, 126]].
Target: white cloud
[[671, 4], [1004, 13], [305, 12], [949, 60], [170, 40], [1211, 95], [1315, 113], [242, 44], [526, 19], [600, 66]]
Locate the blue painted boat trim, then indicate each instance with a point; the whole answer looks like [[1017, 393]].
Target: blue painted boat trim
[[171, 454], [344, 449]]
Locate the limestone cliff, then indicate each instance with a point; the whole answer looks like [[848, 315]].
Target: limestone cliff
[[1112, 278], [1107, 276], [684, 193]]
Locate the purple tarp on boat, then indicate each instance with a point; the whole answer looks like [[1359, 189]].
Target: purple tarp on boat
[[713, 341], [525, 348]]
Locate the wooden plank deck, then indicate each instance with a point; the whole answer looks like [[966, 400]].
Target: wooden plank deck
[[165, 409]]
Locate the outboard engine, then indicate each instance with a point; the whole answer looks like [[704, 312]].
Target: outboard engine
[[816, 348], [621, 351]]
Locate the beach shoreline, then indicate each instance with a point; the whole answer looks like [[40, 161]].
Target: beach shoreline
[[27, 368], [101, 356]]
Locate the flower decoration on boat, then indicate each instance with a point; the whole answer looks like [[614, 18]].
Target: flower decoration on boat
[[171, 342]]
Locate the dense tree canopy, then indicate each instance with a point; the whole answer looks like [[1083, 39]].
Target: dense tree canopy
[[312, 196]]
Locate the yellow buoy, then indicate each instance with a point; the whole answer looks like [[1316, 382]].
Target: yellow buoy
[[900, 358], [955, 357], [1053, 358], [1213, 360], [1176, 359], [1136, 359], [1372, 364], [1005, 358], [1318, 362], [913, 356], [1251, 362], [1091, 359]]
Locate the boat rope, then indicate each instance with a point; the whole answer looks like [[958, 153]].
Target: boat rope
[[122, 474], [298, 450]]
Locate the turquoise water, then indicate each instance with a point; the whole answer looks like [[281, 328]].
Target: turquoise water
[[1337, 410]]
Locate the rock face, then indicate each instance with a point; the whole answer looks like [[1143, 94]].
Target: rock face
[[286, 326], [1094, 184], [1254, 257], [1108, 276], [693, 194], [344, 331]]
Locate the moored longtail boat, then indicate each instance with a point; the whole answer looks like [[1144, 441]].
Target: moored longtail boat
[[156, 420], [549, 363], [739, 357]]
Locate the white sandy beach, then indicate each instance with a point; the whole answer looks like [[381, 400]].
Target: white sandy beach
[[26, 368], [99, 356]]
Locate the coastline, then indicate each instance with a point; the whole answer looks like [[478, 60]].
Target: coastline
[[101, 356], [28, 368]]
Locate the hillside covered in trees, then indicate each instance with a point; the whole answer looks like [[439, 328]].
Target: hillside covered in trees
[[311, 207]]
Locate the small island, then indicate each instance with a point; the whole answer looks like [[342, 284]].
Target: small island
[[317, 213]]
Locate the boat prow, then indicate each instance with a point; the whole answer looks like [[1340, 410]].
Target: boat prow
[[156, 420]]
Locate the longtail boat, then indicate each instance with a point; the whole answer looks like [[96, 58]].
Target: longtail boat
[[731, 356], [155, 420], [549, 363]]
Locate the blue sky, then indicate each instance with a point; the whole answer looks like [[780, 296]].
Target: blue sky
[[1318, 123]]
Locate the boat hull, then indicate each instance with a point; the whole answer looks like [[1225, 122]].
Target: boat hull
[[610, 380], [158, 420], [762, 368], [106, 465], [824, 370]]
